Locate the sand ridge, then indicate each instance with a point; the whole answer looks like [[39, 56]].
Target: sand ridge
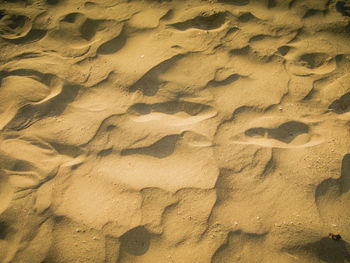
[[174, 131]]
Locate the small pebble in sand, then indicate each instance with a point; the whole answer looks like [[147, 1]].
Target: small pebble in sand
[[142, 56], [334, 225], [95, 238], [280, 109], [236, 223]]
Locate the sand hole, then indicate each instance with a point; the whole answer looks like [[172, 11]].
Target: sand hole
[[88, 29], [342, 105], [136, 241], [14, 26], [246, 17], [70, 18], [284, 50], [343, 8], [4, 229], [240, 51], [314, 60], [311, 12], [111, 127]]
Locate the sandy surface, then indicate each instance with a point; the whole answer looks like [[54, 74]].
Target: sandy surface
[[174, 131]]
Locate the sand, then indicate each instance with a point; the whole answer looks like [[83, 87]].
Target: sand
[[174, 131]]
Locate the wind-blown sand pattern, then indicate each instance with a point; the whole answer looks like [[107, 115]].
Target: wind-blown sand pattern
[[174, 131]]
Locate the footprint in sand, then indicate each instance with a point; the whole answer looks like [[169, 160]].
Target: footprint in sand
[[292, 134], [18, 29], [13, 26], [285, 133]]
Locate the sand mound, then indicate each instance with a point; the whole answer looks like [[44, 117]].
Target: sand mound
[[174, 131]]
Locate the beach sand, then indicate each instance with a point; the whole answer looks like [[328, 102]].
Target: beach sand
[[174, 131]]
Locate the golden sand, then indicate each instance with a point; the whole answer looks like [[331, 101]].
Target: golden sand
[[174, 131]]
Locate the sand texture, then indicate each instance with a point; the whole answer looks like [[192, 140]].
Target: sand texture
[[174, 131]]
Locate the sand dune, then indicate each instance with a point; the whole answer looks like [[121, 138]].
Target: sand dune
[[174, 131]]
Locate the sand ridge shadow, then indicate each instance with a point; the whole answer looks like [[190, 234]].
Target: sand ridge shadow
[[149, 83], [229, 80]]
